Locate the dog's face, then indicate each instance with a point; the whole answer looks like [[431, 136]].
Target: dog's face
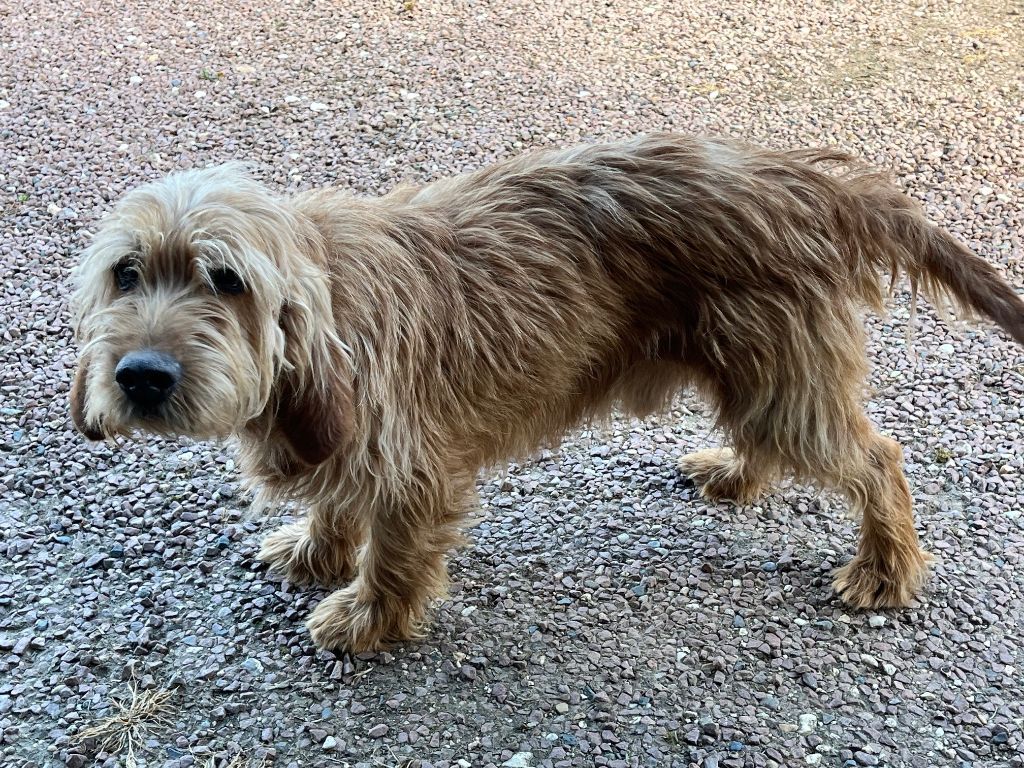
[[199, 311]]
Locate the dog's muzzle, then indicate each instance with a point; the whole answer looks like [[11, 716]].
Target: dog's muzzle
[[148, 377]]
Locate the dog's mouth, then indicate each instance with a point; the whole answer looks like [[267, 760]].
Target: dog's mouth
[[128, 419], [171, 419], [146, 416]]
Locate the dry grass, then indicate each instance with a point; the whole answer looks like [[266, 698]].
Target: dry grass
[[121, 733], [236, 761]]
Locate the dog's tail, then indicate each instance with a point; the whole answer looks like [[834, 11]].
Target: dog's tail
[[970, 280], [936, 262]]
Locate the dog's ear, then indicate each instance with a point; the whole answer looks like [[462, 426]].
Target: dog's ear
[[78, 395], [315, 397]]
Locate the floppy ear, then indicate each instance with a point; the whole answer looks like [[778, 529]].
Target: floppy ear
[[78, 395], [315, 397]]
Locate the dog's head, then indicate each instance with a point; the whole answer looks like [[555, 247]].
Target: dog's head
[[203, 308]]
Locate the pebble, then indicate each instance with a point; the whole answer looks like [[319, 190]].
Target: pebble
[[95, 560], [808, 722], [519, 760]]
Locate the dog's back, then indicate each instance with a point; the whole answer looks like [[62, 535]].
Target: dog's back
[[717, 214], [554, 284]]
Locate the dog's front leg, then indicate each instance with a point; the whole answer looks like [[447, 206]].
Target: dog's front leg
[[317, 550], [402, 566]]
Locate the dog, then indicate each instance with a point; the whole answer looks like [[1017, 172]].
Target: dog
[[370, 356]]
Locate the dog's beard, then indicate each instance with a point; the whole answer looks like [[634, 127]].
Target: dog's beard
[[222, 387], [213, 409]]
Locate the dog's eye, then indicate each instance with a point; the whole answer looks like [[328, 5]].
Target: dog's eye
[[126, 275], [227, 281]]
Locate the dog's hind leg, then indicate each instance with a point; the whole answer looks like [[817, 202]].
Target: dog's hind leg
[[402, 566], [791, 402], [319, 549], [890, 565], [722, 474]]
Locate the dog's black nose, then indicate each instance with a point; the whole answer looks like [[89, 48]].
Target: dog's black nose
[[148, 377]]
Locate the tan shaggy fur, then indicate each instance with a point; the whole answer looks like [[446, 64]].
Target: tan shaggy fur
[[384, 350]]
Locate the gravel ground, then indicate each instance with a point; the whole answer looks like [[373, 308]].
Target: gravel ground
[[605, 616]]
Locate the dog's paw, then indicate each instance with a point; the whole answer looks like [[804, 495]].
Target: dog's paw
[[717, 474], [345, 621], [862, 584], [291, 552]]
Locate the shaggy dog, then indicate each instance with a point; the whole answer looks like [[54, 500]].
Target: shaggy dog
[[370, 356]]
